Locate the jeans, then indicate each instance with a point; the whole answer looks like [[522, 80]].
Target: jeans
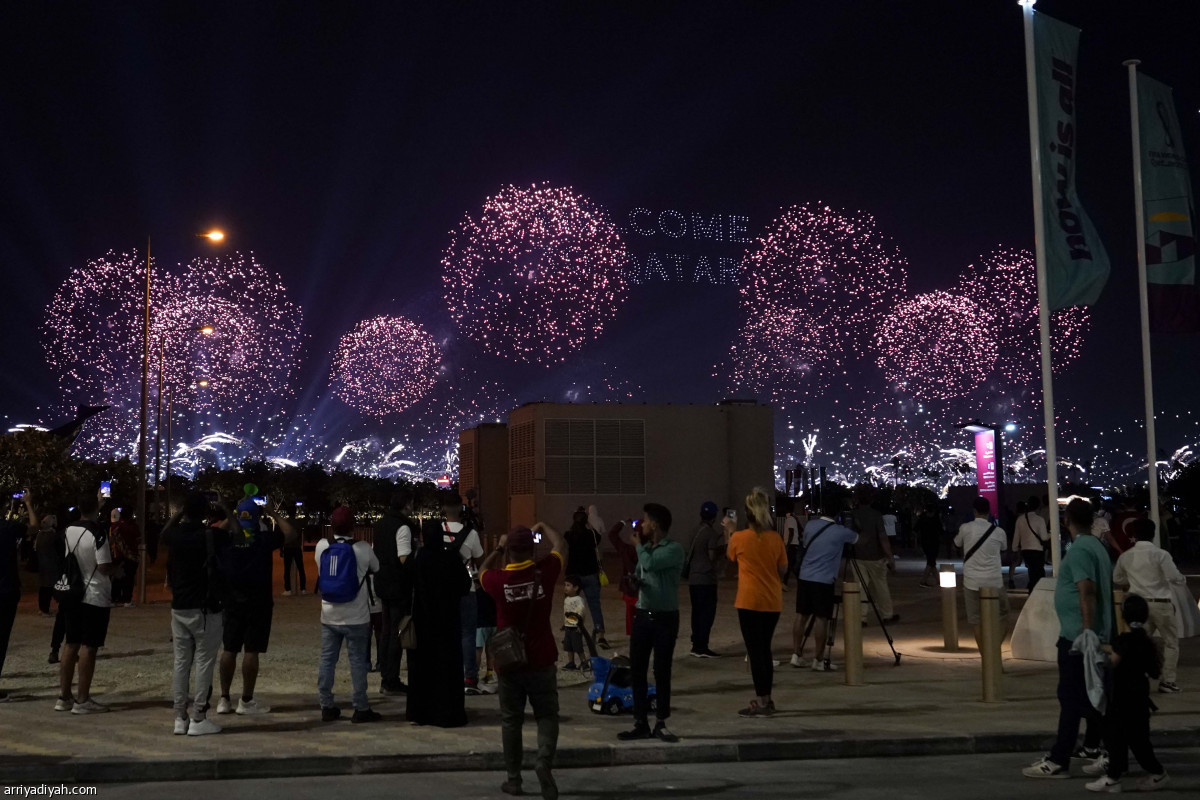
[[468, 614], [1073, 706], [704, 612], [875, 584], [389, 645], [1035, 565], [657, 631], [8, 615], [591, 593], [758, 628], [540, 686], [196, 636], [357, 638], [293, 555]]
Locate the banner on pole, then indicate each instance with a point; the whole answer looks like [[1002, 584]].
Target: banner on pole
[[1170, 213], [1076, 263]]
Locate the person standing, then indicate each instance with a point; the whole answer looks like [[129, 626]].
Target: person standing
[[1031, 540], [929, 537], [701, 570], [1083, 604], [48, 544], [791, 544], [1149, 571], [196, 623], [342, 579], [464, 540], [983, 545], [655, 622], [248, 564], [435, 667], [523, 591], [393, 584], [824, 541], [123, 538], [584, 544], [11, 536], [873, 555], [627, 553], [86, 619], [762, 562], [293, 557]]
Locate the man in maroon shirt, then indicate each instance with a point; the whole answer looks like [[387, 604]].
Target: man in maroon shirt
[[513, 580]]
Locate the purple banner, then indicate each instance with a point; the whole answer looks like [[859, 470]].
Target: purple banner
[[985, 468]]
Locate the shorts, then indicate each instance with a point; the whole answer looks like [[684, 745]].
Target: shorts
[[85, 624], [572, 640], [815, 599], [484, 635], [247, 626], [972, 600]]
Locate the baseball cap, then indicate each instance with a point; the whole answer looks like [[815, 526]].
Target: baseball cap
[[709, 509], [521, 538]]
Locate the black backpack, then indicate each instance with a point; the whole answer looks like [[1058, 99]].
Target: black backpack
[[71, 585]]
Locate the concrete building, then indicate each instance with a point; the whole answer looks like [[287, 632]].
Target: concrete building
[[483, 475], [618, 457]]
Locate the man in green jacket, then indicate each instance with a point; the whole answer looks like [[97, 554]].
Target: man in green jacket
[[655, 621]]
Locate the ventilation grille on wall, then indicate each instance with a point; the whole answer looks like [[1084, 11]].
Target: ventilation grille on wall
[[595, 456], [520, 459]]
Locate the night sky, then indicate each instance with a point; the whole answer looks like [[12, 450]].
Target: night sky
[[340, 142]]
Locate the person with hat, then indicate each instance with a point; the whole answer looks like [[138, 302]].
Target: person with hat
[[345, 614], [700, 568], [523, 590]]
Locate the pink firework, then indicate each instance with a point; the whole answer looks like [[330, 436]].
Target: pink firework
[[536, 275], [936, 346], [1004, 284], [385, 365]]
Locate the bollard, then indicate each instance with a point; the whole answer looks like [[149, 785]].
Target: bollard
[[949, 583], [1118, 599], [990, 634], [852, 632]]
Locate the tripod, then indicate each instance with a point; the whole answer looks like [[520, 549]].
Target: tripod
[[847, 564]]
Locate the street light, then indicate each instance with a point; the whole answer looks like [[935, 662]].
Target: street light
[[140, 506], [213, 236]]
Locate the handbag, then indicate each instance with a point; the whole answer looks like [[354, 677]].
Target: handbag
[[506, 650]]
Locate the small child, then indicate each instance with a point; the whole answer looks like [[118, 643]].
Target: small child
[[485, 627], [1135, 659], [574, 622]]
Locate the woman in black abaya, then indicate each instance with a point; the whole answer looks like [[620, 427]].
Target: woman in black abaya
[[435, 671]]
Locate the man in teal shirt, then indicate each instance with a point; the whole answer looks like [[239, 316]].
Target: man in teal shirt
[[1083, 602], [655, 621]]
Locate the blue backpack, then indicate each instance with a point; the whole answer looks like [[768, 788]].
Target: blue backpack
[[337, 579]]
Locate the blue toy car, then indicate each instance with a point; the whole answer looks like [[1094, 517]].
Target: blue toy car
[[612, 692]]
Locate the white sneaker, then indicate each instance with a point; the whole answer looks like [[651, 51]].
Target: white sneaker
[[64, 703], [224, 706], [1045, 768], [801, 663], [1152, 783], [203, 727], [819, 666], [1104, 784], [304, 591], [88, 706], [1097, 767], [251, 707], [287, 592], [181, 726]]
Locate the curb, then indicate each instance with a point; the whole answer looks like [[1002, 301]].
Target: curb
[[40, 769]]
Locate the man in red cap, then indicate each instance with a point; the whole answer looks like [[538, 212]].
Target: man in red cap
[[523, 591], [342, 569]]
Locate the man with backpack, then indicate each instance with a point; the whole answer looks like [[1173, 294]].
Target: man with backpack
[[343, 570], [196, 623], [247, 566], [84, 588], [983, 545], [393, 585], [458, 536]]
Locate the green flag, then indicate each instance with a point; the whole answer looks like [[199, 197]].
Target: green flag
[[1169, 211], [1076, 263]]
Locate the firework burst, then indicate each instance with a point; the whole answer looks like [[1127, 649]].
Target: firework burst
[[385, 365]]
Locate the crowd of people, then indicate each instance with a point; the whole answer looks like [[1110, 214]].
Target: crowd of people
[[467, 621]]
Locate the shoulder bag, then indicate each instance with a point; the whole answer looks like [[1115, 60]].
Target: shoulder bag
[[506, 650], [978, 544]]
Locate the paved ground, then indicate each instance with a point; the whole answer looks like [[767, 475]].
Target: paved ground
[[930, 703], [927, 778]]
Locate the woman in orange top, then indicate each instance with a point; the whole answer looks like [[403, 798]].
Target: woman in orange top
[[762, 561]]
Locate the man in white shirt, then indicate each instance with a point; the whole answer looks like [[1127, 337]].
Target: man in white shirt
[[982, 544], [87, 620], [791, 545], [393, 585], [349, 622], [1030, 540], [471, 551], [1149, 571]]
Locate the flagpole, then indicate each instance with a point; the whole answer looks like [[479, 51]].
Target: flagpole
[[1143, 299], [1039, 236]]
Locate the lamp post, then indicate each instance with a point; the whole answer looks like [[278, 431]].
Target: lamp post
[[140, 504]]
